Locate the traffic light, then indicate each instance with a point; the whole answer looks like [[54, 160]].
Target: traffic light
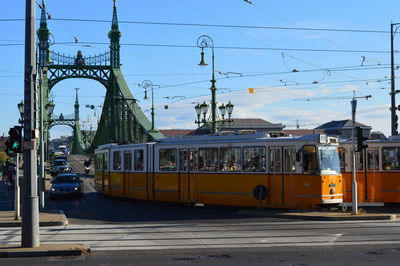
[[9, 151], [360, 140], [14, 142]]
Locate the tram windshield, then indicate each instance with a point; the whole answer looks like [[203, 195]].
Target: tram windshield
[[329, 160]]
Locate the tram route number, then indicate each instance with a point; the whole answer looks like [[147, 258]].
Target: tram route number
[[260, 192]]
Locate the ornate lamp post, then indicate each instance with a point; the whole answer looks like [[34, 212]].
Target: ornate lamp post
[[148, 84], [49, 109], [205, 41]]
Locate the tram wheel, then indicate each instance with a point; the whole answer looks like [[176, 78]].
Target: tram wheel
[[342, 207]]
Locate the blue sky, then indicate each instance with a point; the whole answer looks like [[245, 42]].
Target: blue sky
[[278, 92]]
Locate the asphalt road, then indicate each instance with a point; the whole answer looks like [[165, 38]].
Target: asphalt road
[[95, 208], [131, 232]]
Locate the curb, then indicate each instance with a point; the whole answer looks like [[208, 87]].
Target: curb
[[17, 223], [322, 216], [339, 218], [45, 251]]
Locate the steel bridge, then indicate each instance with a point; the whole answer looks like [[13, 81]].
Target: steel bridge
[[122, 120]]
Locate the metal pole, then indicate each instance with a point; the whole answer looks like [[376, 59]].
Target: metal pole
[[392, 82], [42, 174], [152, 109], [17, 209], [30, 209], [353, 161], [213, 97]]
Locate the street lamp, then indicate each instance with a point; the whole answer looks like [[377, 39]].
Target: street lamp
[[148, 84], [50, 108], [21, 112], [205, 41]]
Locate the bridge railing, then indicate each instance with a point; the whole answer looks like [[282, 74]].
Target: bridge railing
[[63, 117], [102, 59]]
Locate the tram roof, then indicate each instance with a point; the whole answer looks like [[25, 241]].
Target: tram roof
[[391, 139], [218, 139], [110, 145], [242, 138]]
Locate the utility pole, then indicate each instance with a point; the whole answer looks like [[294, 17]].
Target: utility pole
[[393, 92], [353, 157], [30, 204]]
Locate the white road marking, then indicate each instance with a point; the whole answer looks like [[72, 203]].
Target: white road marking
[[216, 235]]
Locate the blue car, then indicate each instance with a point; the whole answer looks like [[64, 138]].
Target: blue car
[[66, 185]]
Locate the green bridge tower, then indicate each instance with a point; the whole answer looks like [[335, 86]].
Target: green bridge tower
[[122, 120]]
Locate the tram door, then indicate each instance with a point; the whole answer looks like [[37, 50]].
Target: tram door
[[282, 161], [370, 174], [289, 169], [187, 165]]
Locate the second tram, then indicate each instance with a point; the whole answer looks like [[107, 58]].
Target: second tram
[[377, 171]]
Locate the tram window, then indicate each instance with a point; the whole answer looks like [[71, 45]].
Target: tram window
[[373, 159], [329, 162], [391, 158], [290, 160], [127, 160], [360, 160], [117, 160], [208, 159], [99, 161], [310, 164], [138, 160], [193, 160], [342, 157], [230, 159], [183, 160], [168, 160], [254, 159], [275, 160], [106, 162]]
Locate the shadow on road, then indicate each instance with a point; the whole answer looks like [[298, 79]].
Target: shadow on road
[[95, 208]]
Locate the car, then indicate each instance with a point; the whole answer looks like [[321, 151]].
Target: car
[[66, 185], [61, 157], [57, 164], [64, 169], [56, 154], [64, 149]]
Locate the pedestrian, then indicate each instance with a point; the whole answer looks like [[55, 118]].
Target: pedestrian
[[4, 171]]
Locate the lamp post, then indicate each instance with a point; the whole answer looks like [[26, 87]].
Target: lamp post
[[148, 84], [17, 190], [49, 109], [393, 91], [205, 41]]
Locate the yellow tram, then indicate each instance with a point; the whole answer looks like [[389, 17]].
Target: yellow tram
[[377, 171], [239, 170]]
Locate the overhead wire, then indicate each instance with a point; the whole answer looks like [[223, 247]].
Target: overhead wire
[[219, 25], [233, 47], [322, 36]]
